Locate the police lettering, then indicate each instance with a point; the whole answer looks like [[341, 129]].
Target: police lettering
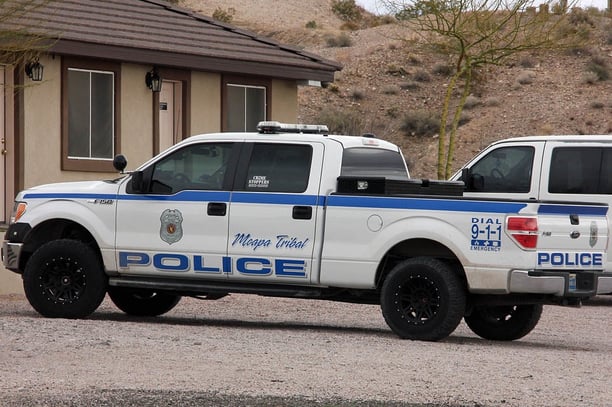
[[176, 262], [570, 259]]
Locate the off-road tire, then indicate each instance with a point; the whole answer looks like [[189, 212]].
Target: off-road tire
[[64, 279], [144, 303], [504, 322], [423, 298]]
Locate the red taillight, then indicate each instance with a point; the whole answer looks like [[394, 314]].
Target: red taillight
[[524, 230]]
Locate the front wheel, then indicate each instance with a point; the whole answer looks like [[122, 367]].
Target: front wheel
[[143, 303], [504, 322], [423, 298], [64, 279]]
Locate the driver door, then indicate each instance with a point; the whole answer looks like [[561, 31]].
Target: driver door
[[178, 225]]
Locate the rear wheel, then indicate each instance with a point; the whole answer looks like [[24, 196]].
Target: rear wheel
[[423, 298], [64, 279], [144, 303], [504, 322]]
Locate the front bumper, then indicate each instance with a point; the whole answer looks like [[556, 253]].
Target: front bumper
[[570, 283], [10, 255]]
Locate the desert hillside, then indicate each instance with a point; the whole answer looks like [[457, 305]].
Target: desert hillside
[[387, 79]]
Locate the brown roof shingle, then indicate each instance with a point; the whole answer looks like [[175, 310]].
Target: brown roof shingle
[[159, 33]]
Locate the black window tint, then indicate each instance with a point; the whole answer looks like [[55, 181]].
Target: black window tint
[[506, 169], [278, 168], [580, 170], [196, 167], [361, 161]]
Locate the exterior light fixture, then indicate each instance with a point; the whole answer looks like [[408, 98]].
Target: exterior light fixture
[[34, 70], [153, 80]]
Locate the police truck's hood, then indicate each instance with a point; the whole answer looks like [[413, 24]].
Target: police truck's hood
[[72, 188]]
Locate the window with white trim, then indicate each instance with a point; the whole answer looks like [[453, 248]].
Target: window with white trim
[[246, 106], [91, 114]]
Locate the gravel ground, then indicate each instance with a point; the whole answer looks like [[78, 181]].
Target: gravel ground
[[254, 351]]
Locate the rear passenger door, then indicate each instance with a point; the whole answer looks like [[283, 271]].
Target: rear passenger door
[[579, 173], [273, 212]]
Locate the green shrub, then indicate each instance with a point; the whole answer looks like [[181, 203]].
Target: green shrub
[[420, 123], [471, 102], [409, 85], [358, 94], [525, 78], [527, 61], [590, 78], [599, 67], [422, 76], [442, 69], [391, 90], [225, 16], [311, 24], [347, 10], [342, 121], [396, 70], [339, 41]]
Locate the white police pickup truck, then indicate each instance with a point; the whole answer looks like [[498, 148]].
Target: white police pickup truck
[[547, 168], [307, 215]]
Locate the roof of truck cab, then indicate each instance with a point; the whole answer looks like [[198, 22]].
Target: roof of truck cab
[[561, 138], [345, 141]]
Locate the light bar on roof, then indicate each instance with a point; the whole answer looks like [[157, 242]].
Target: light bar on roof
[[273, 127]]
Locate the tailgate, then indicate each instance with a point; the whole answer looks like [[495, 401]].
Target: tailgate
[[572, 237]]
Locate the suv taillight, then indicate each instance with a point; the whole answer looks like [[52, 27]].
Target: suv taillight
[[523, 230]]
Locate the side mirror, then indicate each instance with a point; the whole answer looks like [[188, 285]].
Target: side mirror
[[473, 182], [137, 182], [476, 182], [120, 162]]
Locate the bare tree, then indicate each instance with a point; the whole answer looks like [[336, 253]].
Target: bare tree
[[20, 40], [477, 33]]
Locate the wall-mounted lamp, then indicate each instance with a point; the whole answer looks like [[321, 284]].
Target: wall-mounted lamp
[[153, 80], [34, 70]]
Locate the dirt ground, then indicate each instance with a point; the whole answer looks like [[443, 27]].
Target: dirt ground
[[255, 351]]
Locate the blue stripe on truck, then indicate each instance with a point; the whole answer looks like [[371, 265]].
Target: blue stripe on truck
[[549, 209]]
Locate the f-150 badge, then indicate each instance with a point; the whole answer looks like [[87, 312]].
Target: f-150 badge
[[171, 230]]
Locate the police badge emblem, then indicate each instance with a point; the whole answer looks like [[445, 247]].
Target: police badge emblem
[[171, 230]]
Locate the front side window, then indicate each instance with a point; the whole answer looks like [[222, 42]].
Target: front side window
[[580, 170], [362, 161], [506, 169], [89, 139], [195, 167], [278, 168]]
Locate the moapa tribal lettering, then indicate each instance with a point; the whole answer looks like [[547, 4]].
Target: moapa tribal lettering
[[177, 262], [281, 242]]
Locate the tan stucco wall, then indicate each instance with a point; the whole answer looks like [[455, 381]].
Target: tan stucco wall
[[205, 103], [42, 126], [136, 115], [284, 101]]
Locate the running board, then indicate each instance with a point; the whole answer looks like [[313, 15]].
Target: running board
[[198, 287]]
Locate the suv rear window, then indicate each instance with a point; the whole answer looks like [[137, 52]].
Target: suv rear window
[[373, 162]]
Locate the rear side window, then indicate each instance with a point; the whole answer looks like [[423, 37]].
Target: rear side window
[[580, 170], [278, 168], [360, 161], [506, 169]]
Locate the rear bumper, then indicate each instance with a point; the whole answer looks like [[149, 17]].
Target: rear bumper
[[569, 283]]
